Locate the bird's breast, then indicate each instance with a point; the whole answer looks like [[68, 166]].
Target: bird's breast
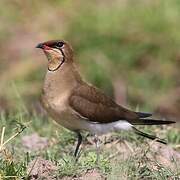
[[58, 108], [56, 103]]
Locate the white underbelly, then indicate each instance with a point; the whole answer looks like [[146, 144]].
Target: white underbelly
[[72, 122], [99, 129]]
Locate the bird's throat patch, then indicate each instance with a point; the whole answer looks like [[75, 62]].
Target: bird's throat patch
[[55, 64], [55, 59]]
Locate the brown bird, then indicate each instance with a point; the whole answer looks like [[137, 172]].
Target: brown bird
[[77, 105]]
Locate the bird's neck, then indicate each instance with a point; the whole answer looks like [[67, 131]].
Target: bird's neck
[[62, 80]]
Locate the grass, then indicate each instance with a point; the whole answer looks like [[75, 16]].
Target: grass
[[140, 163]]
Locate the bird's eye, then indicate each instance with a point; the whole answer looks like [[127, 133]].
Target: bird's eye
[[60, 44]]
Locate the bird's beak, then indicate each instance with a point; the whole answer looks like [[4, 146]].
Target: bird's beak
[[40, 45]]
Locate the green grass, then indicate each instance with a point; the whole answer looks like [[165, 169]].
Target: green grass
[[14, 158]]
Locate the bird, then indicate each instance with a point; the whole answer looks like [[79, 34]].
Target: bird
[[79, 106]]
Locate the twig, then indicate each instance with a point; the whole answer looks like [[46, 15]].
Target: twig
[[2, 138], [12, 137]]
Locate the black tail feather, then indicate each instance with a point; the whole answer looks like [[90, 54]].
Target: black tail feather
[[152, 137], [143, 115], [150, 122]]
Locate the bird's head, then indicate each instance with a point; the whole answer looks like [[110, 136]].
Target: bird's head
[[57, 52]]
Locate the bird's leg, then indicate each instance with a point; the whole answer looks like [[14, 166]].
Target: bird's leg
[[97, 142], [78, 143]]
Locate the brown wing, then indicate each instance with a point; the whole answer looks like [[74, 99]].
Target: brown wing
[[93, 104]]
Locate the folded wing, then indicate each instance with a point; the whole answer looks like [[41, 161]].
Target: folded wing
[[93, 104]]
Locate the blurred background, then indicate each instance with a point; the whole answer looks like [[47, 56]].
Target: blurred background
[[128, 48]]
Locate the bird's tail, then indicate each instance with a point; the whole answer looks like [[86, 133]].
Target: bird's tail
[[144, 120], [150, 122], [152, 137]]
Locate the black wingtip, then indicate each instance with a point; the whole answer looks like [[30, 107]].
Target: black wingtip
[[156, 122], [169, 122], [143, 114]]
